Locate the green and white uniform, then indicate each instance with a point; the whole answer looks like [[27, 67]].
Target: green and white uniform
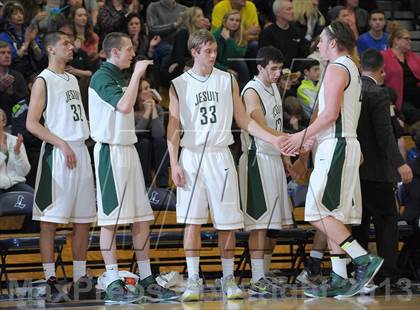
[[206, 112], [334, 186], [120, 187], [262, 179], [64, 195]]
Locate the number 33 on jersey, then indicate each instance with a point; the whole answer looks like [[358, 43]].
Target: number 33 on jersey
[[206, 108]]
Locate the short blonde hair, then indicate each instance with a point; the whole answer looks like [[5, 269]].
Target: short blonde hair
[[199, 38]]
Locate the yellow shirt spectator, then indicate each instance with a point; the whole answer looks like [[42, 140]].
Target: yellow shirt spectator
[[249, 16]]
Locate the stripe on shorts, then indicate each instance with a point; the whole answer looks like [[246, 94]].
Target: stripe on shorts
[[332, 192], [43, 197], [106, 180], [256, 205]]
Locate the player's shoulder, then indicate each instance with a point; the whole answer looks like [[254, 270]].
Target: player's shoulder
[[100, 77]]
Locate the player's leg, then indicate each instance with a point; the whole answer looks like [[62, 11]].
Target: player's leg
[[257, 243], [137, 210], [147, 284], [192, 210], [311, 274], [82, 287], [83, 214], [222, 186]]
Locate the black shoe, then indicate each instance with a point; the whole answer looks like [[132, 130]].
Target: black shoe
[[150, 288], [83, 289], [311, 274], [54, 292]]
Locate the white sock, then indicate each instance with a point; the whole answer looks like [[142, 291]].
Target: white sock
[[267, 262], [79, 269], [339, 266], [112, 273], [257, 267], [227, 266], [353, 249], [193, 266], [317, 254], [144, 268], [49, 270]]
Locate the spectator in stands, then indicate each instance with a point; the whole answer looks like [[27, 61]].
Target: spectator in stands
[[339, 13], [25, 44], [91, 7], [83, 27], [283, 35], [358, 17], [402, 68], [382, 160], [14, 164], [150, 128], [137, 32], [164, 19], [111, 17], [33, 8], [295, 118], [192, 20], [309, 87], [232, 45], [249, 24], [12, 84], [249, 16], [308, 18], [376, 37]]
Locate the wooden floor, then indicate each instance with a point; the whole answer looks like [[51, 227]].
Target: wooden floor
[[399, 302]]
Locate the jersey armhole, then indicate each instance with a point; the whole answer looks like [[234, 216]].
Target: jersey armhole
[[260, 100], [46, 91], [174, 88], [348, 72]]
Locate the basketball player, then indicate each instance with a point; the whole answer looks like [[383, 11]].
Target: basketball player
[[121, 191], [64, 189], [262, 176], [203, 101], [330, 202]]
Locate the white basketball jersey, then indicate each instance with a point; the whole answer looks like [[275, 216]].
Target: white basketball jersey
[[64, 114], [271, 106], [206, 108], [346, 123]]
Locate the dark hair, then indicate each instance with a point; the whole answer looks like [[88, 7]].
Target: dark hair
[[376, 11], [371, 60], [335, 12], [142, 26], [267, 54], [11, 7], [342, 33], [309, 63], [88, 32], [51, 38], [113, 40]]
